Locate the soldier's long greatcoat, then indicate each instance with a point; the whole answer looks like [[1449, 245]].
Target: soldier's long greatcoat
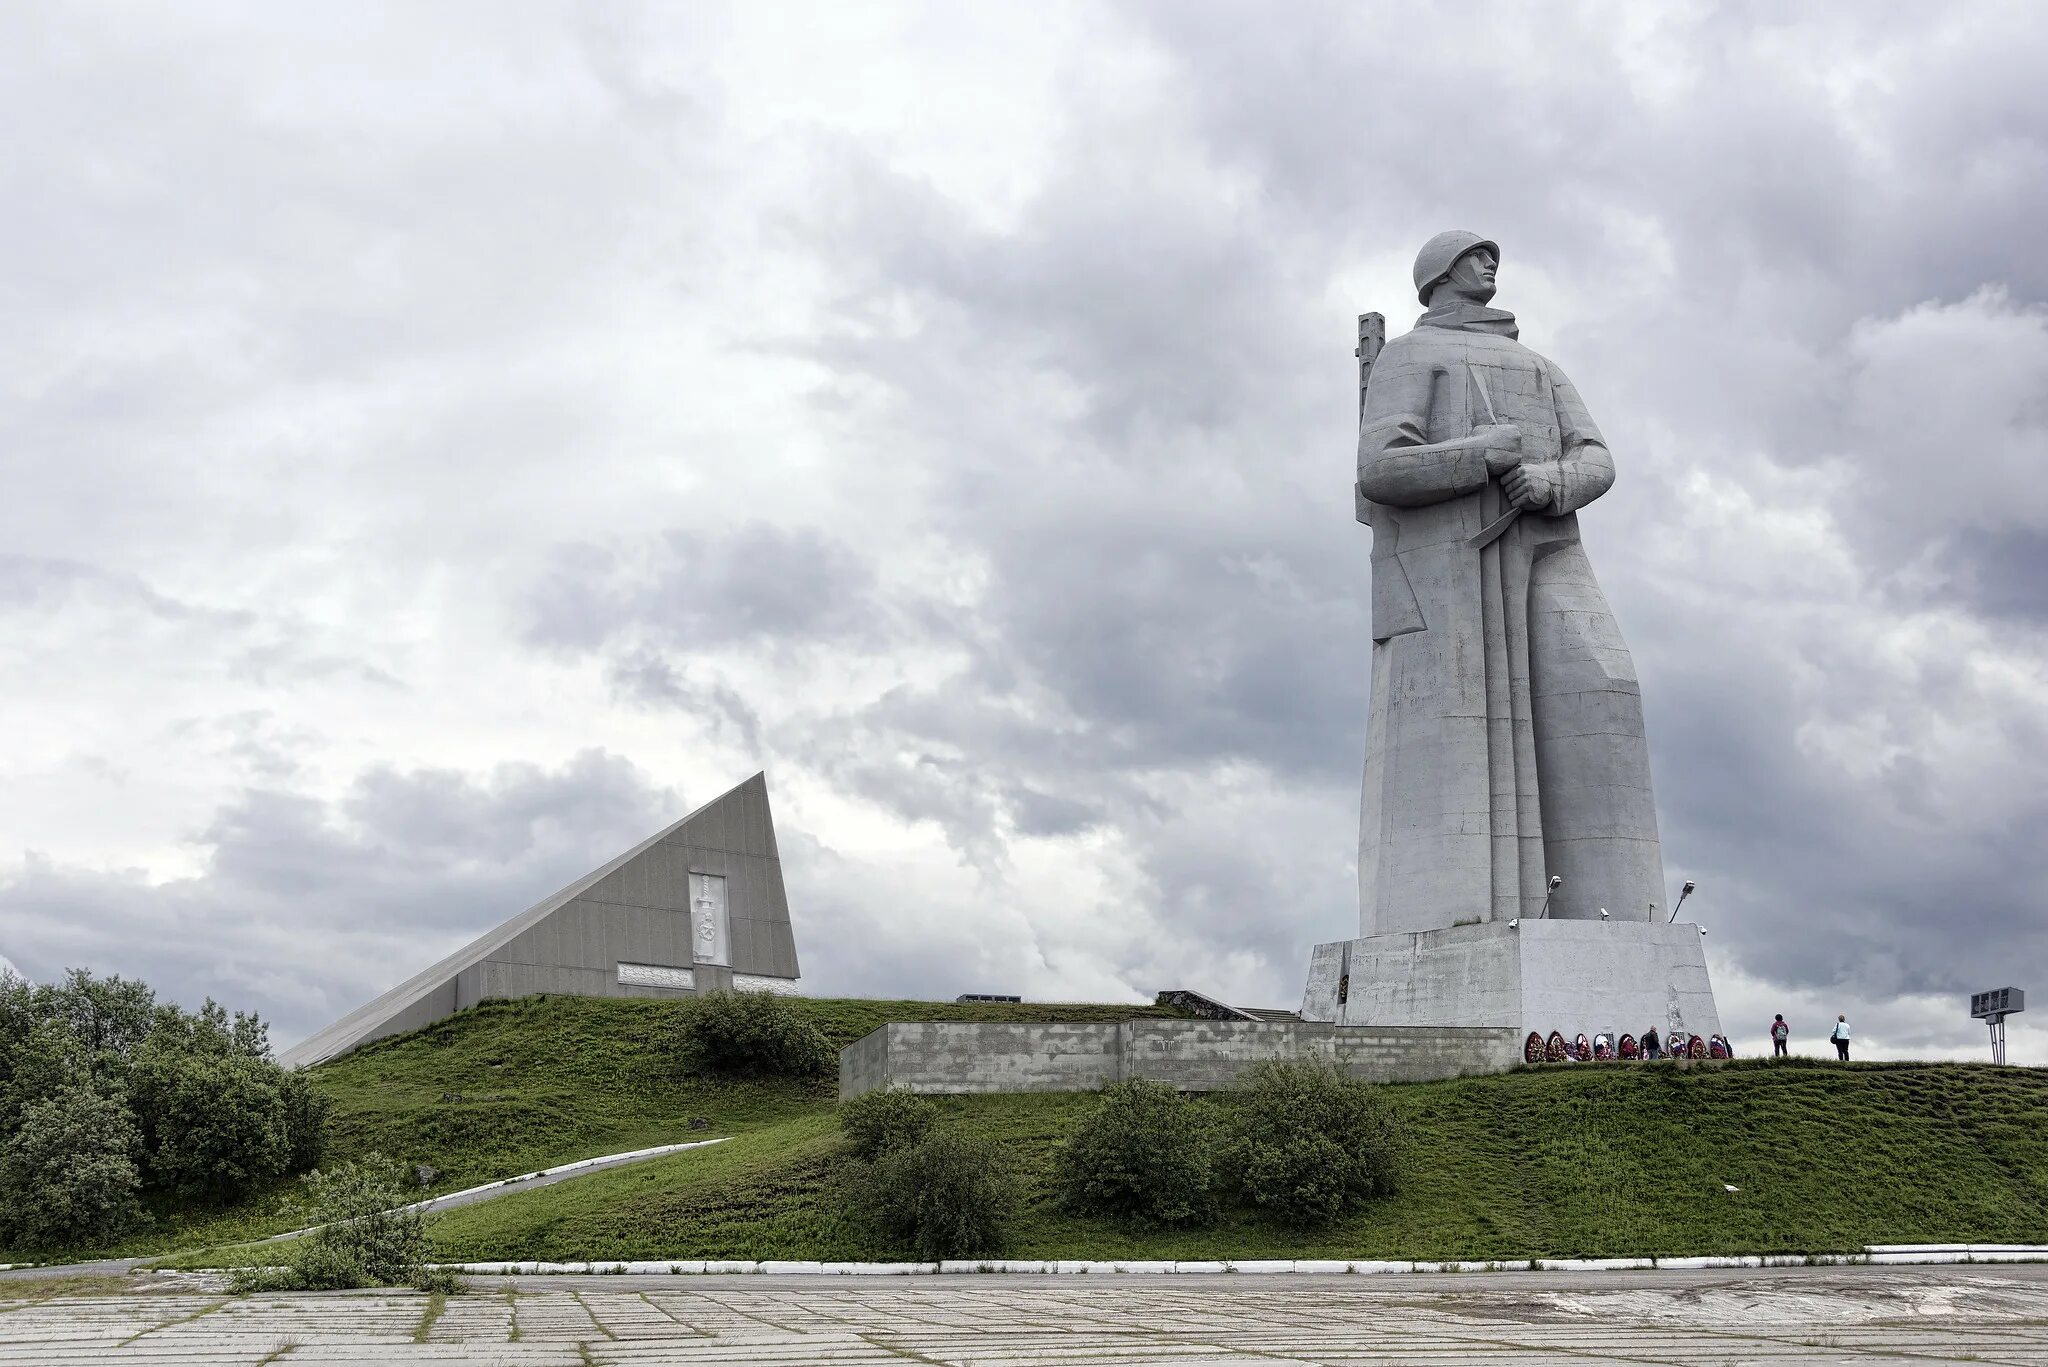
[[1506, 736]]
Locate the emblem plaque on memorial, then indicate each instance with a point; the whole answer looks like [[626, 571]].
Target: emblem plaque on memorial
[[710, 931]]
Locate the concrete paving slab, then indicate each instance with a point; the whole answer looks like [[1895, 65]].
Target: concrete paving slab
[[1746, 1317]]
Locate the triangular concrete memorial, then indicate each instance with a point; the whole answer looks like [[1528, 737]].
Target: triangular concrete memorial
[[698, 907]]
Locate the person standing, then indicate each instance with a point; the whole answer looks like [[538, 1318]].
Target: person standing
[[1841, 1038], [1652, 1046], [1780, 1032]]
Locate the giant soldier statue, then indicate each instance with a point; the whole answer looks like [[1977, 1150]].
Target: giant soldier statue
[[1505, 743], [1509, 874]]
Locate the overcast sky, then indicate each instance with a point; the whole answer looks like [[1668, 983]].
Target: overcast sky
[[447, 442]]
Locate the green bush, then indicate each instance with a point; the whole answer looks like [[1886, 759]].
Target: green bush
[[1307, 1144], [214, 1115], [1145, 1155], [364, 1238], [305, 1121], [111, 1016], [217, 1123], [67, 1172], [876, 1123], [47, 1060], [750, 1034], [949, 1195]]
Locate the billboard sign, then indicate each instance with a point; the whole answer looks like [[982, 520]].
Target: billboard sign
[[1999, 1001]]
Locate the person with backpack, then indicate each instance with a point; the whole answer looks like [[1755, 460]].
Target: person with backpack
[[1841, 1038], [1780, 1032]]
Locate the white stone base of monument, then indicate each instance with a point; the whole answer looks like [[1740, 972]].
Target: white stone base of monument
[[1576, 977]]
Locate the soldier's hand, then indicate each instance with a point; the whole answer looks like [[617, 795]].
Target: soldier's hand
[[1529, 486], [1502, 444]]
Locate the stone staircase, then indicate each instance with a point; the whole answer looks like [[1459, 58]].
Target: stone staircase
[[1208, 1008]]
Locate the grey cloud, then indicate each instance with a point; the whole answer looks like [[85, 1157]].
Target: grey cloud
[[1119, 405], [48, 584], [849, 940], [647, 679], [2003, 573], [304, 907], [1121, 614], [1819, 878], [262, 647], [702, 589], [261, 745], [1050, 814]]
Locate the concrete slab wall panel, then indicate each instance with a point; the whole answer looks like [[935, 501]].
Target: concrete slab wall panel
[[633, 910], [953, 1058], [1575, 976]]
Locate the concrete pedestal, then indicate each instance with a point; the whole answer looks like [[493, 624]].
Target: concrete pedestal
[[1571, 976]]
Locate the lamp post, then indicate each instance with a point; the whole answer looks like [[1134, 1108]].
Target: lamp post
[[1683, 893], [1556, 882]]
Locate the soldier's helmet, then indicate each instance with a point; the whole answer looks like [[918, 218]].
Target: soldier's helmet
[[1440, 253]]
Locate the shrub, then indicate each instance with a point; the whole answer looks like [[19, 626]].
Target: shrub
[[1308, 1144], [217, 1123], [949, 1195], [47, 1060], [1144, 1154], [189, 1103], [751, 1034], [67, 1172], [364, 1237], [113, 1015], [305, 1121], [881, 1122]]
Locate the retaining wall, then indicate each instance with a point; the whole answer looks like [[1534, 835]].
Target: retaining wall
[[952, 1057]]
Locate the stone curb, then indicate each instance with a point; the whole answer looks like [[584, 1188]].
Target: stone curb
[[1878, 1254], [602, 1160]]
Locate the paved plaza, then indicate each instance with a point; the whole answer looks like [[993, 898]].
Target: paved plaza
[[1712, 1319]]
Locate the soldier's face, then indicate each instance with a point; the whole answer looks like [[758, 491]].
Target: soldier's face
[[1472, 276]]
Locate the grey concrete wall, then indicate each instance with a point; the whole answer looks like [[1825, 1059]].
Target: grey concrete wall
[[1196, 1055], [1592, 977], [424, 1011], [1466, 975], [1574, 976], [633, 910], [864, 1064], [962, 1056], [1207, 1056]]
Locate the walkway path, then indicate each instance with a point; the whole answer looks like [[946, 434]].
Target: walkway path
[[468, 1196], [546, 1177], [1763, 1318]]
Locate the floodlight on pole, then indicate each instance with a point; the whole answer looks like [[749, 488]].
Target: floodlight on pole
[[1992, 1008], [1683, 893], [1556, 882]]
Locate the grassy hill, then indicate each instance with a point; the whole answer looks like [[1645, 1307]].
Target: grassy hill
[[1561, 1162], [1549, 1162], [511, 1086]]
